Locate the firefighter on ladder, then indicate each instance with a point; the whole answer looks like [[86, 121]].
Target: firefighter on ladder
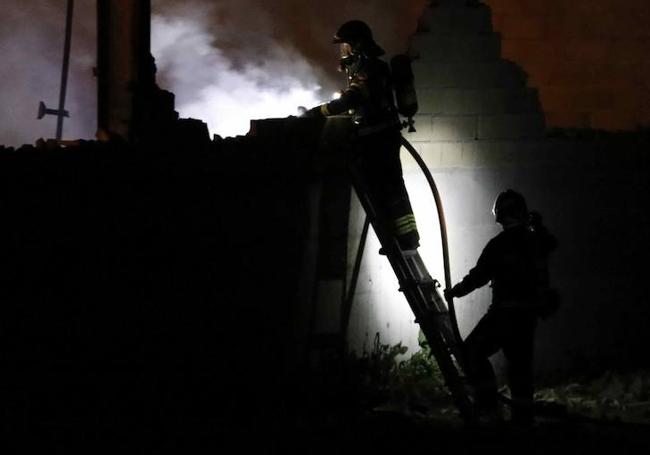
[[369, 100]]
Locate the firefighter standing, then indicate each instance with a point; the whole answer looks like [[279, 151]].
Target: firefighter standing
[[369, 100], [515, 261]]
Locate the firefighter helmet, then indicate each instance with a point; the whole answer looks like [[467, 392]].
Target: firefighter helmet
[[353, 31], [510, 204], [358, 35]]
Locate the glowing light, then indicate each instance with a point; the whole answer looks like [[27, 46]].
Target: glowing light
[[336, 95], [209, 87], [228, 113]]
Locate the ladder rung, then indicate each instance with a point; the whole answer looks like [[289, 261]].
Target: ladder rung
[[435, 315], [413, 277], [415, 284]]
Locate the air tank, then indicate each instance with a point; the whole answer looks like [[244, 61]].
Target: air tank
[[403, 81]]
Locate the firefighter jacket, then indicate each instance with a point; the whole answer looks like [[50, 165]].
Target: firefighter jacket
[[515, 262], [368, 97], [370, 102]]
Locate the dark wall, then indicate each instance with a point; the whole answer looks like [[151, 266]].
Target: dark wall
[[597, 204], [593, 193], [152, 287]]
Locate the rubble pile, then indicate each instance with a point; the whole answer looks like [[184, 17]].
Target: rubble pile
[[623, 397]]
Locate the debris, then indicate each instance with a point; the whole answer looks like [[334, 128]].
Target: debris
[[611, 396]]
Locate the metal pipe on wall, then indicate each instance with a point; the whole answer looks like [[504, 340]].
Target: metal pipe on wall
[[123, 65]]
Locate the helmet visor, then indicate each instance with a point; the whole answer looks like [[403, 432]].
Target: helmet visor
[[345, 50]]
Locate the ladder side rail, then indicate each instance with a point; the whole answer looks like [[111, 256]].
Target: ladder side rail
[[449, 371], [443, 236], [440, 311], [416, 297], [410, 284], [401, 269]]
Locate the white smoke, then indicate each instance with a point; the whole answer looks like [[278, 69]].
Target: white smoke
[[234, 60], [227, 62], [208, 86]]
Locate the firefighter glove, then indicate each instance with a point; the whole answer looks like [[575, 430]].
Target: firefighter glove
[[315, 112], [449, 294]]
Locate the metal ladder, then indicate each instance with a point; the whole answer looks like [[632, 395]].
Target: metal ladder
[[423, 296]]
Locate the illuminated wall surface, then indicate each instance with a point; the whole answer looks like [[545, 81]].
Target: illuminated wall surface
[[481, 129]]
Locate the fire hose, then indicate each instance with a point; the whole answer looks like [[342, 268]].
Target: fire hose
[[541, 407], [443, 233], [445, 250]]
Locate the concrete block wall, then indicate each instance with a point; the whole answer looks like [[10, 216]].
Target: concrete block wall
[[466, 91], [592, 195], [480, 132], [465, 47], [476, 110], [451, 18], [588, 58]]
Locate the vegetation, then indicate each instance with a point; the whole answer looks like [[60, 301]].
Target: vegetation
[[385, 379]]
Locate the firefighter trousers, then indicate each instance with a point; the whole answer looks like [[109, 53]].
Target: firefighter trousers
[[378, 159], [513, 332]]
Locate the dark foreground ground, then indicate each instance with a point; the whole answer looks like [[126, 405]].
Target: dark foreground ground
[[374, 406], [392, 433], [328, 428], [370, 433]]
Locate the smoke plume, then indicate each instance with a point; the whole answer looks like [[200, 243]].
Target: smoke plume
[[215, 88], [227, 62]]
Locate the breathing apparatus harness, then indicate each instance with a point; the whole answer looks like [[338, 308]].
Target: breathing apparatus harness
[[402, 80]]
